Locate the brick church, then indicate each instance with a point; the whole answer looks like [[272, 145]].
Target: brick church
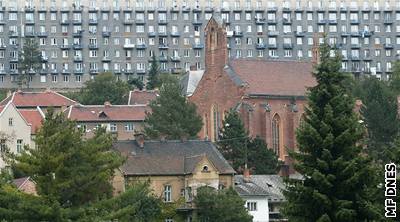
[[269, 94]]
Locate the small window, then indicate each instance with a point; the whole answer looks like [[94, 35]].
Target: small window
[[252, 206], [129, 127], [205, 169], [113, 127], [19, 146], [3, 145], [10, 121], [167, 193]]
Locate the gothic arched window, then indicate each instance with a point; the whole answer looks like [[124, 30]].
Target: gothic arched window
[[276, 126]]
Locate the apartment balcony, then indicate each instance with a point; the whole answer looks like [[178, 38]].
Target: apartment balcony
[[259, 9], [344, 34], [388, 46], [163, 58], [388, 21], [128, 9], [93, 21], [272, 9], [366, 9], [30, 22], [175, 34], [93, 9], [208, 9], [128, 22], [140, 21], [94, 71], [163, 34], [78, 59], [77, 34], [286, 9], [162, 9], [175, 8], [77, 21], [273, 33], [106, 34], [367, 58], [287, 45], [54, 71], [2, 22], [238, 33], [152, 34], [163, 46], [13, 34], [129, 46], [271, 21], [197, 46], [65, 9], [106, 59], [78, 71], [64, 22], [175, 58], [322, 22], [129, 72], [354, 9], [273, 46], [3, 47], [355, 46], [162, 22], [176, 70], [355, 58], [259, 21], [151, 8], [299, 34], [65, 47], [105, 9], [65, 72], [116, 9], [77, 46], [141, 46], [225, 9], [30, 34], [93, 46], [141, 71], [77, 8], [286, 21], [261, 46], [44, 59], [53, 9], [332, 9], [354, 21], [332, 21], [117, 71], [355, 34], [42, 34], [43, 71], [197, 22], [196, 9]]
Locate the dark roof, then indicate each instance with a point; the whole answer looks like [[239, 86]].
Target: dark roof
[[33, 99], [169, 157], [272, 77], [261, 185], [99, 113], [137, 97]]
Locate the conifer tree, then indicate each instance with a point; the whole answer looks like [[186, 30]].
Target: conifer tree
[[29, 61], [153, 80], [171, 114], [337, 175]]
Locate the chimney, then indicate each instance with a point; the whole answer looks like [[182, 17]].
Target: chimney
[[246, 174], [107, 104], [140, 139]]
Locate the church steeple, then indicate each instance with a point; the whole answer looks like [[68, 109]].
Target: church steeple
[[216, 51]]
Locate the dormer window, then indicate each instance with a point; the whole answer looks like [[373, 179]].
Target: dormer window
[[205, 169]]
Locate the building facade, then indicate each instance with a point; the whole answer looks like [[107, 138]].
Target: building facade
[[81, 38]]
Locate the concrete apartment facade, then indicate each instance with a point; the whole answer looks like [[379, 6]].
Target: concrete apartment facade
[[81, 38]]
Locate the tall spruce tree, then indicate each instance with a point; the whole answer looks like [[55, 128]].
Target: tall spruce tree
[[29, 61], [172, 115], [337, 176], [153, 80]]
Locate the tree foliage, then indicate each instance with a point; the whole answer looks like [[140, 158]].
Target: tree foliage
[[154, 74], [220, 206], [172, 115], [337, 175], [29, 61], [104, 87], [239, 149]]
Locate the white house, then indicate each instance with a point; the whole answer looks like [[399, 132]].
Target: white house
[[263, 196]]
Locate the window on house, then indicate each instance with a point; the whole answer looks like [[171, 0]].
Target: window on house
[[129, 127], [252, 206], [205, 169], [276, 134], [3, 145], [167, 193], [19, 146]]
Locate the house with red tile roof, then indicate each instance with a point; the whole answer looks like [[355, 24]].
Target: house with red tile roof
[[270, 95], [18, 127], [44, 100], [137, 97], [122, 120], [26, 185]]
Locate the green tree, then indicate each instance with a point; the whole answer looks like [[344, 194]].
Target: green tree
[[394, 81], [239, 149], [154, 73], [104, 87], [29, 61], [136, 83], [67, 168], [337, 175], [172, 115], [220, 206], [380, 115]]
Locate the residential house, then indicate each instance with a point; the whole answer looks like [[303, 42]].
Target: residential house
[[26, 185], [122, 120], [263, 196], [138, 97], [175, 169], [44, 100], [268, 94], [18, 127]]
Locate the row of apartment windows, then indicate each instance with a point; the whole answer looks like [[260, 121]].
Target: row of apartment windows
[[129, 127]]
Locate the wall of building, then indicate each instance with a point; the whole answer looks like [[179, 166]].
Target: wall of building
[[18, 131], [121, 133], [262, 212]]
